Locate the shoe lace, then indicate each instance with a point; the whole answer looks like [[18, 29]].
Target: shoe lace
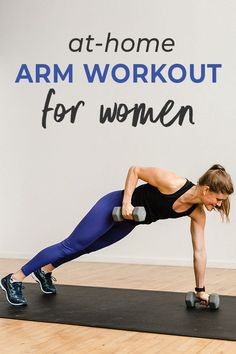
[[50, 277]]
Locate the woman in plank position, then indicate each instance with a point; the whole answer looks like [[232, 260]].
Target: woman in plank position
[[164, 195]]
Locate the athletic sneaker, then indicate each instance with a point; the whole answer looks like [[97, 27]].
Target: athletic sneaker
[[13, 291], [45, 281]]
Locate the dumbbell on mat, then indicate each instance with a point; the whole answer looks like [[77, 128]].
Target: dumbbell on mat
[[139, 214], [191, 299]]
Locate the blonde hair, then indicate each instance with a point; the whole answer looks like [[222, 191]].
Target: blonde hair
[[218, 181]]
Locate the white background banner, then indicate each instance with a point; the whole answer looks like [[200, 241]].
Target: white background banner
[[89, 89]]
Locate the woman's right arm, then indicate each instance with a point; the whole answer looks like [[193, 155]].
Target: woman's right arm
[[157, 177], [130, 185]]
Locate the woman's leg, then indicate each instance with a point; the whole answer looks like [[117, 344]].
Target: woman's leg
[[115, 234], [96, 223]]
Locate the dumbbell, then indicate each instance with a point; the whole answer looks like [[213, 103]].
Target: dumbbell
[[139, 213], [191, 299]]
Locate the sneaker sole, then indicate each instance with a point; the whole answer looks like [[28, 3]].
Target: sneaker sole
[[8, 298], [38, 281]]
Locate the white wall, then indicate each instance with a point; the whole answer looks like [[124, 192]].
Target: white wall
[[51, 177]]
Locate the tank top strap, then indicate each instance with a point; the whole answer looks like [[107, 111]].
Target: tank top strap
[[183, 189]]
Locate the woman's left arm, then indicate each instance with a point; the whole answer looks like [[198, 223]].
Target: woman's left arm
[[198, 219]]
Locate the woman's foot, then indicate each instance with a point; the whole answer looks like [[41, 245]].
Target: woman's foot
[[13, 290], [45, 281]]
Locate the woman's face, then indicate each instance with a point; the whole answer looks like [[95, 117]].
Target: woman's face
[[212, 200]]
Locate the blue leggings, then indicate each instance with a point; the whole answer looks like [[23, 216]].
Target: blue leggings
[[95, 231]]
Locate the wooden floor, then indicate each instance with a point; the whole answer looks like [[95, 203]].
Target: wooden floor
[[31, 337]]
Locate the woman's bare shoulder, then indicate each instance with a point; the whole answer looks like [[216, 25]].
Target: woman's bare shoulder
[[165, 180], [198, 214]]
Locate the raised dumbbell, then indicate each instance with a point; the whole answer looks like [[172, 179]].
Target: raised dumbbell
[[139, 214], [191, 299]]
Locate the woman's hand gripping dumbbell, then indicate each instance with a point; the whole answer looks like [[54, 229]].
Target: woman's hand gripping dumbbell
[[137, 213], [212, 301]]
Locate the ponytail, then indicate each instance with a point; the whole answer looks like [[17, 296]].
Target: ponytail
[[218, 181]]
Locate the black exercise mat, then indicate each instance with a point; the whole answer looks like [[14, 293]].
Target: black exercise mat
[[126, 309]]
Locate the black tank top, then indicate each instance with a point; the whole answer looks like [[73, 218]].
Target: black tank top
[[159, 205]]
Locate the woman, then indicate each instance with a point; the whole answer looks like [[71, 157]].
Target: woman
[[165, 195]]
